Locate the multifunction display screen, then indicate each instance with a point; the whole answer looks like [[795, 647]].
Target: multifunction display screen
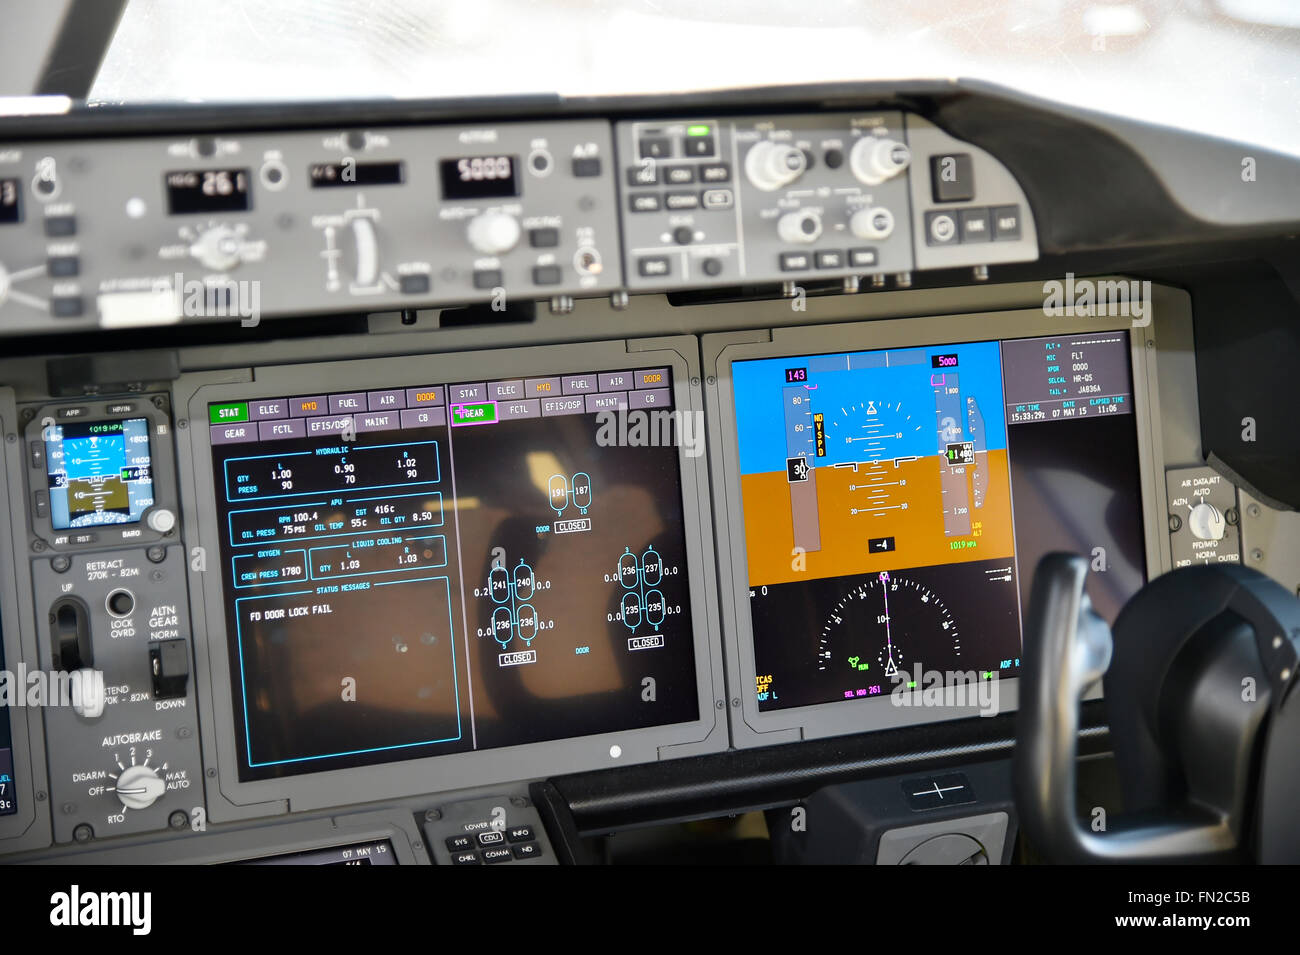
[[452, 567], [896, 503], [98, 472]]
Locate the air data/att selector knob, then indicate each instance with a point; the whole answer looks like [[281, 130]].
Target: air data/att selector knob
[[875, 223], [139, 787], [217, 248], [873, 160], [770, 165], [801, 226], [494, 233], [1206, 522]]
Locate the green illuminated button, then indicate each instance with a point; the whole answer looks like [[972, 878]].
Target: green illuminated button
[[698, 130], [485, 413], [228, 413]]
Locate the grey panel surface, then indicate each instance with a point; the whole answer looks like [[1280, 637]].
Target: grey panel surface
[[488, 831], [300, 249], [229, 798], [741, 238], [750, 727], [992, 188]]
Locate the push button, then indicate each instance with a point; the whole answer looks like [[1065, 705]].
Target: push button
[[545, 238], [655, 266], [940, 228], [67, 306], [62, 266], [795, 262], [529, 850], [414, 284], [646, 174], [699, 145], [1006, 223], [497, 854], [465, 858], [59, 227], [546, 275], [520, 834], [487, 278], [831, 259], [586, 167], [863, 258], [459, 843], [491, 838], [951, 178], [715, 172], [645, 202], [974, 225], [679, 175], [654, 147]]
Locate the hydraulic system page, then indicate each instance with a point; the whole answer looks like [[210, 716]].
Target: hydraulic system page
[[444, 568], [878, 506]]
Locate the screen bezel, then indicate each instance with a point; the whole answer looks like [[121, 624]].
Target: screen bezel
[[707, 733], [750, 727]]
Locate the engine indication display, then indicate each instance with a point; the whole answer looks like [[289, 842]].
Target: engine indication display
[[881, 540], [436, 580]]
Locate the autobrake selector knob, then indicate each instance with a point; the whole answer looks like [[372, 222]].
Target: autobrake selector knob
[[874, 159], [494, 233], [770, 165], [138, 787], [874, 223], [217, 248], [800, 226]]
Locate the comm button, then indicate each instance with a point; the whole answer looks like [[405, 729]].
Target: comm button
[[497, 854]]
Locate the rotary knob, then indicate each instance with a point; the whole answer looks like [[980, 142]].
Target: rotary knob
[[801, 226], [873, 160], [1206, 522], [217, 248], [770, 165], [139, 787], [494, 233], [875, 223]]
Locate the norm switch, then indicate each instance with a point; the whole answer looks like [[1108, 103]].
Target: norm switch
[[169, 662]]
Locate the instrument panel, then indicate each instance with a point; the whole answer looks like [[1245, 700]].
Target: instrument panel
[[155, 231], [279, 583]]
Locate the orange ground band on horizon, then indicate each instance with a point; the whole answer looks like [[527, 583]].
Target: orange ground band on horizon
[[874, 493]]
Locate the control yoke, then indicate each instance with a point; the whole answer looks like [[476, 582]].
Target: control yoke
[[1199, 676]]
